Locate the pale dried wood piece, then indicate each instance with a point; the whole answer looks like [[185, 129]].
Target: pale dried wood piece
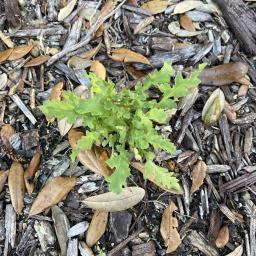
[[144, 249], [218, 168], [72, 247], [25, 239], [67, 71], [86, 39], [136, 10], [51, 11], [49, 31], [10, 228], [248, 141], [16, 99], [230, 215], [196, 240]]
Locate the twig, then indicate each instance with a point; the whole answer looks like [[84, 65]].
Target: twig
[[87, 38], [124, 243]]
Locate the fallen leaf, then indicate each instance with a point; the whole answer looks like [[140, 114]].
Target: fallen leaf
[[56, 91], [3, 81], [30, 172], [98, 69], [16, 186], [186, 6], [213, 108], [65, 11], [237, 252], [91, 53], [110, 202], [223, 237], [223, 74], [3, 178], [88, 11], [140, 167], [94, 159], [209, 8], [106, 9], [126, 55], [143, 24], [61, 225], [20, 51], [187, 23], [198, 175], [136, 74], [79, 63], [4, 55], [37, 61], [52, 193], [97, 228], [64, 126], [7, 41], [229, 111], [155, 6], [174, 28], [6, 132], [168, 229], [84, 249]]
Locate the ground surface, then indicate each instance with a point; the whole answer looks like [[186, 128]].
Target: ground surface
[[227, 194]]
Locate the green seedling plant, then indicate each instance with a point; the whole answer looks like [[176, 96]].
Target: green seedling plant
[[124, 121]]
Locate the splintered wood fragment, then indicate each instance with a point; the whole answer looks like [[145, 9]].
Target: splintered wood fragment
[[12, 13], [247, 119], [217, 168], [196, 240], [245, 180], [25, 239], [144, 249], [242, 21], [49, 31], [215, 224], [17, 100], [234, 218], [67, 71], [10, 228]]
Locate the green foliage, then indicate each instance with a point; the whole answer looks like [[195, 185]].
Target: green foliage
[[124, 121]]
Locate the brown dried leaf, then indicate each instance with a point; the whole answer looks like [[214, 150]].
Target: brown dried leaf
[[91, 53], [142, 24], [94, 159], [107, 8], [198, 175], [140, 167], [65, 11], [20, 51], [223, 74], [168, 229], [37, 61], [126, 55], [98, 68], [52, 193], [56, 91], [237, 252], [16, 186], [3, 178], [110, 202], [6, 132], [174, 28], [155, 6], [30, 172], [223, 237], [79, 63], [136, 74], [186, 6], [187, 23], [97, 227], [64, 126], [4, 55], [229, 111]]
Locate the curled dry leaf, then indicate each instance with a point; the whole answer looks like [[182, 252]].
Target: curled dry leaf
[[79, 63], [98, 68], [65, 11], [3, 178], [3, 81], [16, 186], [143, 24], [94, 159], [140, 167], [237, 252], [52, 193], [223, 74], [213, 108], [91, 53], [6, 132], [97, 227], [4, 55], [126, 55], [20, 51], [198, 175], [155, 6], [56, 91], [168, 229], [30, 172], [110, 202], [64, 126], [174, 28], [186, 6], [61, 225], [37, 61], [223, 237], [187, 23]]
